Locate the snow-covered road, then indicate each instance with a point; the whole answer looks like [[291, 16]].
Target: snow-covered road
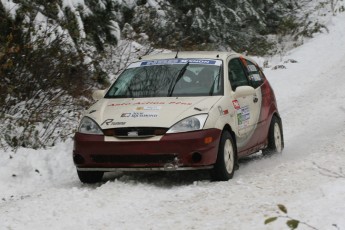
[[40, 189]]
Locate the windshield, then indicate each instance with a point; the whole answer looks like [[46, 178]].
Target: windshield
[[169, 78]]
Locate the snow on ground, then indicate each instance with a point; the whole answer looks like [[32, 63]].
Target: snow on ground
[[40, 189]]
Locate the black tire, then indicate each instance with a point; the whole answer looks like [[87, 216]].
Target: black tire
[[275, 137], [226, 159], [90, 177]]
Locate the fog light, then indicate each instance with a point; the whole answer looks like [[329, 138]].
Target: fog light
[[78, 159], [196, 157]]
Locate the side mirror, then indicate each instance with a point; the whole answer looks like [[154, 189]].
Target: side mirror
[[98, 94], [243, 91]]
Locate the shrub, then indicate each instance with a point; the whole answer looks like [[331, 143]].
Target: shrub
[[45, 82]]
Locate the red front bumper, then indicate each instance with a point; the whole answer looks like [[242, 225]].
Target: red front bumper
[[185, 150]]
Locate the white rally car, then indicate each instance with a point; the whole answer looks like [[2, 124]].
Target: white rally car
[[179, 111]]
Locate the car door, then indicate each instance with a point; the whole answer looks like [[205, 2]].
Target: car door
[[261, 85], [248, 106]]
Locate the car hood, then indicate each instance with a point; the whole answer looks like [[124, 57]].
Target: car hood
[[148, 112]]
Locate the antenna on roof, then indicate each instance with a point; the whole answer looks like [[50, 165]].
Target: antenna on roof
[[176, 54]]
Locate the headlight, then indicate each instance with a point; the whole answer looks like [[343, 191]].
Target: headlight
[[89, 126], [189, 124]]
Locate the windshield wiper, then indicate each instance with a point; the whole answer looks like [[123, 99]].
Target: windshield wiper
[[179, 76], [214, 81]]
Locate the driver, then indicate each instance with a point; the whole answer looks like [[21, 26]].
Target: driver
[[205, 78]]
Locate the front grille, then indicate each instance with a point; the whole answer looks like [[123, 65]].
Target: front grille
[[139, 159], [135, 131]]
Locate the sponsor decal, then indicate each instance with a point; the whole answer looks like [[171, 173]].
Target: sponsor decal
[[126, 114], [222, 112], [199, 61], [243, 116], [245, 112], [161, 62], [252, 68], [220, 109], [180, 103], [112, 122], [148, 108], [255, 77], [144, 115], [119, 104], [139, 115], [236, 104], [151, 103], [180, 61]]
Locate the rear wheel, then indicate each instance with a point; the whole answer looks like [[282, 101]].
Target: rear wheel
[[90, 177], [225, 165], [275, 137]]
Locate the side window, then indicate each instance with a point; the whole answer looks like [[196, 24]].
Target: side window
[[237, 76], [254, 74]]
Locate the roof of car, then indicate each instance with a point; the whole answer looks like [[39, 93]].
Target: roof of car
[[191, 54]]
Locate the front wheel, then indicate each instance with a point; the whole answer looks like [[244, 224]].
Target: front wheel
[[225, 165], [90, 177], [275, 137]]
